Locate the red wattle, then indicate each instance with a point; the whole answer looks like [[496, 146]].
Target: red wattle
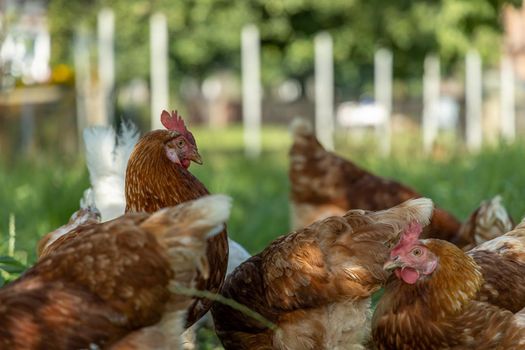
[[408, 275]]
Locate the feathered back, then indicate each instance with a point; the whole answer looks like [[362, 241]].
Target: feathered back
[[488, 221], [107, 157], [87, 214], [325, 184]]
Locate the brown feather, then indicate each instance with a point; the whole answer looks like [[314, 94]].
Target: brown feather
[[56, 315], [96, 288], [84, 216], [502, 262]]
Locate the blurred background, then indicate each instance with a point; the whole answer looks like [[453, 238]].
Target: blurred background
[[430, 93], [427, 92]]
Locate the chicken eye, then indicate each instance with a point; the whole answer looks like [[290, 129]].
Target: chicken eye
[[417, 252], [180, 143]]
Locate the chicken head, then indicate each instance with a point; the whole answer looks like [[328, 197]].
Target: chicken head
[[181, 147], [411, 259]]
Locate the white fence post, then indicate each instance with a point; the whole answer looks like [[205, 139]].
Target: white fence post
[[251, 90], [106, 62], [473, 100], [324, 90], [507, 107], [158, 34], [82, 78], [431, 87], [383, 94]]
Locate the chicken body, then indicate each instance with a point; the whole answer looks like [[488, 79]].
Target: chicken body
[[324, 184], [315, 284], [153, 181], [445, 307], [120, 276]]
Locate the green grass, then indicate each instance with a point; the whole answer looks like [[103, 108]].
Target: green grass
[[44, 191]]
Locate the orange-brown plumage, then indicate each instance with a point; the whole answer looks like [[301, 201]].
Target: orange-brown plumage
[[325, 184], [502, 262], [83, 216], [153, 181], [315, 284], [444, 307], [112, 279]]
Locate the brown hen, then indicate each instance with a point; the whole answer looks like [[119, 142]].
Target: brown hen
[[157, 177], [443, 298], [315, 284], [120, 276], [324, 184]]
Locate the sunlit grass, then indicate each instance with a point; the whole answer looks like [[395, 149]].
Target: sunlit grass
[[42, 193]]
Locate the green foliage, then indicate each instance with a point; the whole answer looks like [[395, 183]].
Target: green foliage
[[205, 35], [42, 194], [10, 268]]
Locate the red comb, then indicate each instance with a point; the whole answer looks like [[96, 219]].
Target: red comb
[[408, 238], [175, 122]]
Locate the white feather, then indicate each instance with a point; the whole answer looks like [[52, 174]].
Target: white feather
[[126, 141], [107, 158], [237, 255], [88, 200]]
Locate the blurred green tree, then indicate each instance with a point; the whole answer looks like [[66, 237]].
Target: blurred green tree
[[205, 34]]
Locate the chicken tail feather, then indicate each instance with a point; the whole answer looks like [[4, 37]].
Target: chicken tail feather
[[183, 229], [417, 210], [107, 157], [126, 140]]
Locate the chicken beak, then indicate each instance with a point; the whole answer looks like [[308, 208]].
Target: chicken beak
[[393, 264], [195, 156]]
